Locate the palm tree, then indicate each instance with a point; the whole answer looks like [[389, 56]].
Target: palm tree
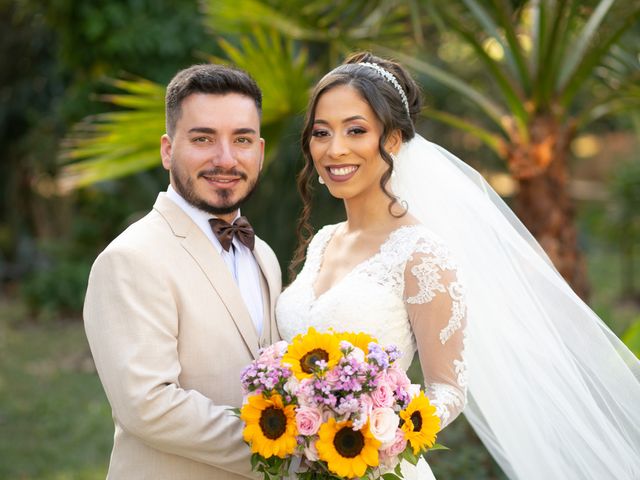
[[553, 53], [551, 68]]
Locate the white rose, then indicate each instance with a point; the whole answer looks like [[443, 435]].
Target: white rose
[[383, 423], [291, 386], [358, 354], [414, 390]]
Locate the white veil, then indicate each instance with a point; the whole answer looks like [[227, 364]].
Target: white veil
[[553, 393]]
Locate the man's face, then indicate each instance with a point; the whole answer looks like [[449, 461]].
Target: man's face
[[216, 153]]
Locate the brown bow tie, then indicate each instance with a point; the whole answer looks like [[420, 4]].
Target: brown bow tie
[[224, 232]]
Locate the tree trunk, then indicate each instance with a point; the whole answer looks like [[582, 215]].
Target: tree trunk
[[543, 203]]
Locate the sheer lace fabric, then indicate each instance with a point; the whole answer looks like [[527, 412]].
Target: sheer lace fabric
[[407, 294]]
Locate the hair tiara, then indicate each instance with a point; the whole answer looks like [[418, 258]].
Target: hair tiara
[[388, 76]]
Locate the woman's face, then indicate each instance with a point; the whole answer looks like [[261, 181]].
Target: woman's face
[[344, 144]]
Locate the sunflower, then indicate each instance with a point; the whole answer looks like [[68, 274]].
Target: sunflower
[[270, 426], [360, 340], [306, 350], [348, 452], [420, 423]]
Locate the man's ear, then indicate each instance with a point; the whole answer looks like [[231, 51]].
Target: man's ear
[[165, 151], [261, 153], [394, 142]]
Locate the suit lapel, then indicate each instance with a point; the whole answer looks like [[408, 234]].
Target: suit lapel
[[211, 263], [272, 282]]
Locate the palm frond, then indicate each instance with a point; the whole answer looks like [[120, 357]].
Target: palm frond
[[513, 98], [279, 66], [313, 20], [596, 56], [493, 141], [512, 48], [580, 46], [493, 110], [116, 144]]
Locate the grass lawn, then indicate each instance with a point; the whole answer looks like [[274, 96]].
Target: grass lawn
[[55, 422]]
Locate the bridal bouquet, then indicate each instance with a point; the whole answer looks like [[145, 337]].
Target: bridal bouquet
[[333, 406]]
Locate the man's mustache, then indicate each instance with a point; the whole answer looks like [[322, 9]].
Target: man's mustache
[[221, 171]]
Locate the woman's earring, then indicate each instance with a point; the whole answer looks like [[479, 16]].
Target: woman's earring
[[320, 180], [394, 159]]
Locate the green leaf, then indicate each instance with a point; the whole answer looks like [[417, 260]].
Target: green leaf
[[223, 17], [335, 23], [580, 46], [513, 99], [632, 338], [493, 141], [538, 35], [513, 49], [438, 446], [119, 143], [553, 49], [595, 58], [409, 456], [279, 66]]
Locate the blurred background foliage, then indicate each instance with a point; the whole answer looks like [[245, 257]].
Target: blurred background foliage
[[542, 96]]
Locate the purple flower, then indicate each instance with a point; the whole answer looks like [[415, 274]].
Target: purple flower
[[378, 356]]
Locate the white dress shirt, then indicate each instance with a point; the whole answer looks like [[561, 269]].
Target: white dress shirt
[[239, 259]]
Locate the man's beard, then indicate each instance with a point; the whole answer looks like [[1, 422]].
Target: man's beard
[[184, 186]]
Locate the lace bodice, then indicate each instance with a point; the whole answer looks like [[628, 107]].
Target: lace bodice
[[407, 294]]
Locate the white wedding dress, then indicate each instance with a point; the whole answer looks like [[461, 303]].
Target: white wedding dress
[[407, 294]]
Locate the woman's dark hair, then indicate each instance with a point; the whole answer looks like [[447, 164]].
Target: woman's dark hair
[[386, 103]]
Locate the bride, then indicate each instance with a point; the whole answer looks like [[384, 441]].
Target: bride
[[431, 260]]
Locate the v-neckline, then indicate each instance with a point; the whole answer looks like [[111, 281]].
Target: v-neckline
[[314, 295]]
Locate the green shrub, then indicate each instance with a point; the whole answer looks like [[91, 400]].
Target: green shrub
[[57, 287]]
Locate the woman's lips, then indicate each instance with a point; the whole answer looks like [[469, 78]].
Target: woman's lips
[[341, 173]]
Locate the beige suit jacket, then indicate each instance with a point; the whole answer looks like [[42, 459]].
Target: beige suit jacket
[[170, 334]]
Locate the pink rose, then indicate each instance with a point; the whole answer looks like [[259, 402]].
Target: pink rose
[[308, 420], [358, 354], [272, 354], [398, 378], [304, 391], [397, 446], [291, 385], [382, 396], [383, 424], [332, 377], [387, 463], [366, 405]]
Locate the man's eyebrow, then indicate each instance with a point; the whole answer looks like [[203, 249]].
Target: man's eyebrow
[[202, 130], [213, 131], [246, 130]]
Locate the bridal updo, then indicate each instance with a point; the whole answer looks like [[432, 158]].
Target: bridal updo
[[389, 106]]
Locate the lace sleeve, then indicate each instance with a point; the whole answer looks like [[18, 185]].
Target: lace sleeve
[[434, 299]]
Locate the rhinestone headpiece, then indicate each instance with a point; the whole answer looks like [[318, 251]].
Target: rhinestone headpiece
[[388, 76]]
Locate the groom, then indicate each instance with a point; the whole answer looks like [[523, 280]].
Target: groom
[[181, 301]]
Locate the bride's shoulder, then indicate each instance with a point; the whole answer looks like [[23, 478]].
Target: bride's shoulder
[[416, 235], [418, 240]]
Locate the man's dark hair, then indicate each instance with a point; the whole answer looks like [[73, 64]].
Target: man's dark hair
[[207, 78]]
